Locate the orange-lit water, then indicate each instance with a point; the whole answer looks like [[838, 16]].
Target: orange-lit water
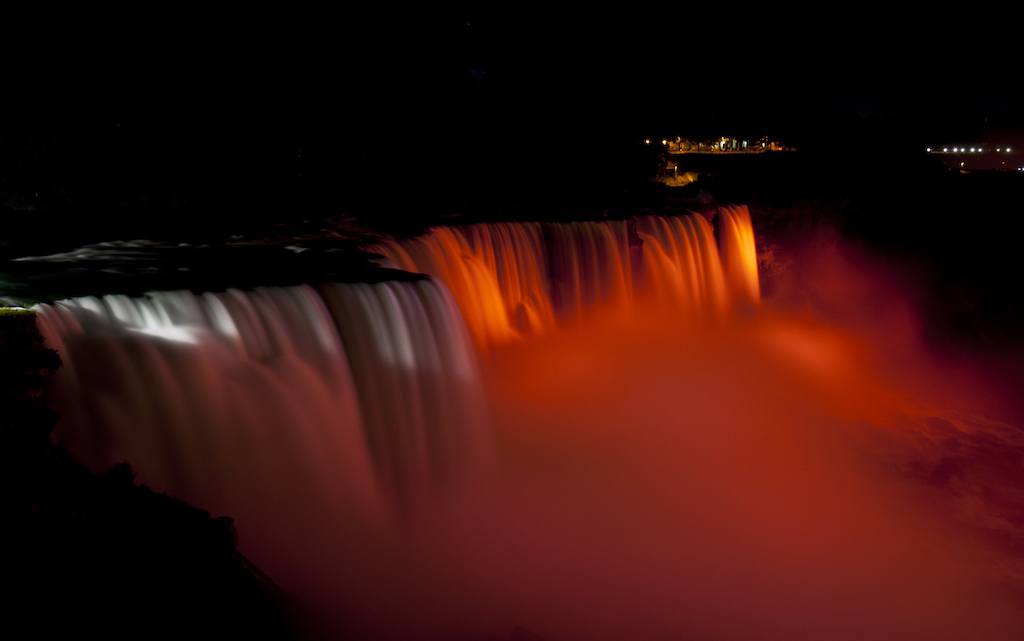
[[674, 456], [514, 280], [767, 477]]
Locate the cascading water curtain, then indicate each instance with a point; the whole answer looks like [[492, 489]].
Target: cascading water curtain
[[362, 395], [237, 400], [515, 279]]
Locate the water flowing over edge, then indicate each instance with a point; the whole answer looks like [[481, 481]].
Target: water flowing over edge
[[366, 394], [353, 391], [513, 280]]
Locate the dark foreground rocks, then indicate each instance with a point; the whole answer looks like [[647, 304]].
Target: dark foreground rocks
[[98, 555]]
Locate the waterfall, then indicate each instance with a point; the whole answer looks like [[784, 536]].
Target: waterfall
[[235, 400], [361, 394], [512, 280], [338, 423], [557, 427]]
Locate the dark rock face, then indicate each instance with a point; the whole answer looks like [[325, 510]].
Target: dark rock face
[[99, 555]]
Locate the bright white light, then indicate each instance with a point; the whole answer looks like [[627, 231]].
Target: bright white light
[[928, 149], [945, 149], [174, 333], [1007, 150], [973, 150], [647, 141], [664, 142]]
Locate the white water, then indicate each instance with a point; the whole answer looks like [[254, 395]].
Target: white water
[[233, 400], [349, 401], [658, 478]]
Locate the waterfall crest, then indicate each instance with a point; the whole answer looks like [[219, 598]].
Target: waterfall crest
[[512, 280]]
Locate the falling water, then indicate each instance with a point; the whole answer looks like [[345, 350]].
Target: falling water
[[360, 391], [512, 280], [352, 392], [612, 471], [359, 394]]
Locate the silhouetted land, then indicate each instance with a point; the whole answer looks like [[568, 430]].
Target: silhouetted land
[[98, 556]]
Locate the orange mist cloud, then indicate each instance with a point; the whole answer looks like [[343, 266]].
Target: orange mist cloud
[[676, 456]]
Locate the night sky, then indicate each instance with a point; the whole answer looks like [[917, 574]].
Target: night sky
[[480, 73], [183, 114]]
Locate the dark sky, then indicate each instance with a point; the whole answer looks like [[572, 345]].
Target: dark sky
[[470, 72], [197, 110]]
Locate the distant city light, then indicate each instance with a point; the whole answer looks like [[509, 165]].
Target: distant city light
[[945, 149], [664, 142], [928, 149], [647, 141], [972, 150], [1007, 150]]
